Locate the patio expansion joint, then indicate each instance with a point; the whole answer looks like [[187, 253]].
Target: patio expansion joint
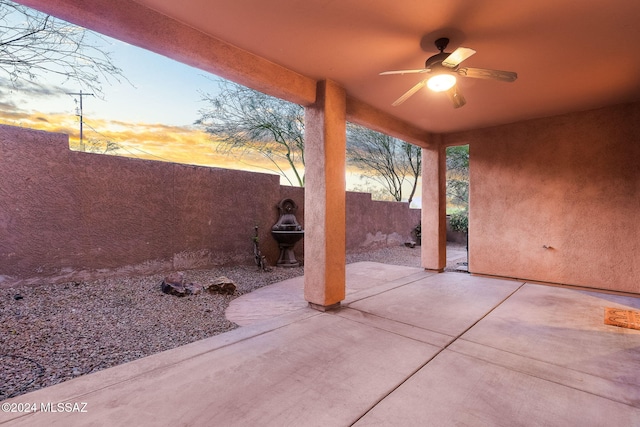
[[541, 364], [445, 347], [386, 319], [380, 289]]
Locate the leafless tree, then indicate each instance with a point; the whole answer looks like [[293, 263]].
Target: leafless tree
[[388, 160], [33, 44], [244, 119]]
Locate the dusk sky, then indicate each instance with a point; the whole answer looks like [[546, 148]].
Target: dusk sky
[[150, 116]]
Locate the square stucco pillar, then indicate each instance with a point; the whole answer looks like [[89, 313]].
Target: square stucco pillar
[[434, 208], [325, 198]]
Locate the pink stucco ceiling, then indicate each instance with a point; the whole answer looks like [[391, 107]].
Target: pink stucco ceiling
[[570, 55]]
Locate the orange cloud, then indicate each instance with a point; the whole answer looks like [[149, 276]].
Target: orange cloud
[[177, 144]]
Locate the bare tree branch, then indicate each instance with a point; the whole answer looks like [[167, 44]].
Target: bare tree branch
[[393, 161], [33, 45], [247, 120]]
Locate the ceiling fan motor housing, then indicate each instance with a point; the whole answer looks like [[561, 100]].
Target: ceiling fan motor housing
[[435, 61]]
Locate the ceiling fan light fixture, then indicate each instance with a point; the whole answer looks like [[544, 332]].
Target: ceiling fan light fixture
[[441, 82], [444, 67]]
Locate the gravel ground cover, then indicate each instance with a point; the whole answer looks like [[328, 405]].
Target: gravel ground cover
[[52, 333]]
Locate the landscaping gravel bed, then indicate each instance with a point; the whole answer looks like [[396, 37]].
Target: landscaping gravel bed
[[52, 333]]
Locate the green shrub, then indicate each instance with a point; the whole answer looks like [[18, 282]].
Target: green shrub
[[459, 221], [417, 231]]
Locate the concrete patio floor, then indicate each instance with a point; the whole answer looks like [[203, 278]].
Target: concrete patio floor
[[408, 347]]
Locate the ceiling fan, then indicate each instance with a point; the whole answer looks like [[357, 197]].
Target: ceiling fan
[[443, 68]]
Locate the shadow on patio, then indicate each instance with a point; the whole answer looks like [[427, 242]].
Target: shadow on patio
[[408, 347]]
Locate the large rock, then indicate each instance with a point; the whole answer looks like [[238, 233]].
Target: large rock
[[221, 285], [174, 284]]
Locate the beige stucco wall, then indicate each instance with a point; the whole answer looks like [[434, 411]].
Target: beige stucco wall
[[69, 215], [570, 183]]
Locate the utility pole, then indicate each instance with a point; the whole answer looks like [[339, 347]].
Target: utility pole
[[79, 113]]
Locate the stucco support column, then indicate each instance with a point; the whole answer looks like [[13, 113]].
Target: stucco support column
[[325, 198], [434, 207]]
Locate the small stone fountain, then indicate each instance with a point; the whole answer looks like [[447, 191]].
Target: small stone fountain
[[287, 233]]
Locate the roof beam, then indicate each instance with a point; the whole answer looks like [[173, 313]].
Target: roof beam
[[364, 114]]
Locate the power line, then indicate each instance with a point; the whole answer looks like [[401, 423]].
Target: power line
[[122, 147], [79, 113]]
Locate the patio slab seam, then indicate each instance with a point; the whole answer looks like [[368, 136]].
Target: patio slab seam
[[547, 371], [397, 327], [455, 389], [474, 344], [285, 297], [380, 289], [557, 285], [470, 340], [417, 351], [615, 392], [440, 351]]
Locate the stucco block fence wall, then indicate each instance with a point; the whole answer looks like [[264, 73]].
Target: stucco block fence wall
[[67, 215]]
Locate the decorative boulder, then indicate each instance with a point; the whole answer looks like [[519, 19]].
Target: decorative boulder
[[221, 285], [174, 284]]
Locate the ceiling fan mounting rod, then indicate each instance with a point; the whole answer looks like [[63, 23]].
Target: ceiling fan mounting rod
[[442, 43]]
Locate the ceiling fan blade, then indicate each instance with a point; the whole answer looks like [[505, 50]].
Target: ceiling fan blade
[[410, 92], [421, 70], [456, 97], [482, 73], [458, 55]]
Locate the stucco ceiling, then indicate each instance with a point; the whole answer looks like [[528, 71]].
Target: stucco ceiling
[[570, 55]]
